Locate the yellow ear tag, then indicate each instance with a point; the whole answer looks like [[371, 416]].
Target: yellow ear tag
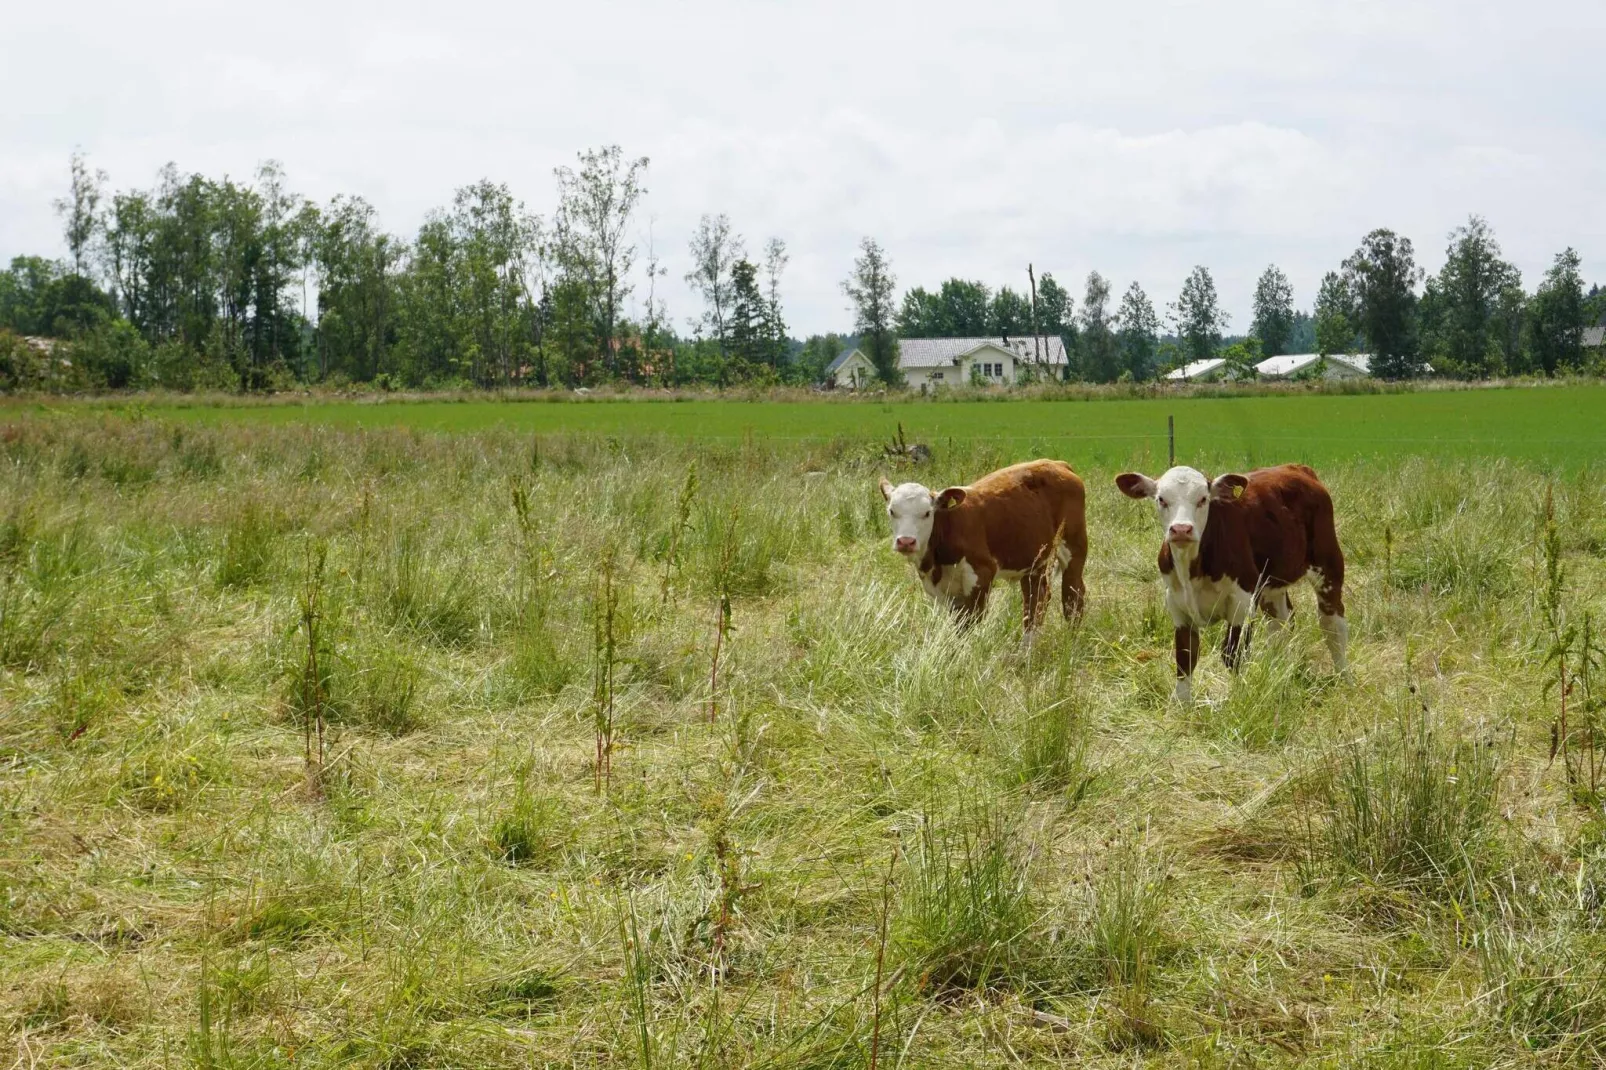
[[1237, 491]]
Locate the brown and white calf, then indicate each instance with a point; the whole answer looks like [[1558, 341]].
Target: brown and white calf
[[1238, 540], [1013, 524]]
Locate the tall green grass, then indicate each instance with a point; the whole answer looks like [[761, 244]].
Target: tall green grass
[[894, 837]]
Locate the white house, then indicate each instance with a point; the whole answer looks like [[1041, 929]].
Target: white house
[[1310, 365], [851, 370], [932, 363], [1200, 371]]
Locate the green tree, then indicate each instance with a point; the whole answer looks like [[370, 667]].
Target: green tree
[[1100, 360], [776, 343], [356, 265], [1510, 322], [870, 288], [1302, 333], [1556, 317], [958, 309], [920, 314], [37, 297], [1241, 358], [1274, 311], [494, 242], [1197, 316], [1009, 315], [131, 232], [1137, 334], [1334, 323], [749, 343], [1466, 309], [595, 204], [571, 330], [1055, 306], [1381, 277], [967, 309], [80, 210], [714, 251]]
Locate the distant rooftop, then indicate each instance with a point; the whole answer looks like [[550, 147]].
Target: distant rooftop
[[1294, 363], [1196, 369], [841, 359], [943, 352]]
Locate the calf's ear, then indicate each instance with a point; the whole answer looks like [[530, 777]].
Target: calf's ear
[[1135, 485], [950, 497], [886, 489], [1228, 487]]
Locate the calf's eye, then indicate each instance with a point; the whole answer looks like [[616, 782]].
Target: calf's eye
[[1201, 502], [1162, 503]]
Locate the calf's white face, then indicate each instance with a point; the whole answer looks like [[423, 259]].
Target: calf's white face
[[1181, 499], [913, 509]]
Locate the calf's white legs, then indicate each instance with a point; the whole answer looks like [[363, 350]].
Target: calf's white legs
[[1335, 630]]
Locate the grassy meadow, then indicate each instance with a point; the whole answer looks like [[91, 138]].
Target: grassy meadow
[[330, 742], [1545, 425]]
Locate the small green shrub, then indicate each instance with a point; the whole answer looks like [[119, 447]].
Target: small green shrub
[[531, 832], [1047, 748], [1411, 807], [429, 595], [966, 913], [246, 556]]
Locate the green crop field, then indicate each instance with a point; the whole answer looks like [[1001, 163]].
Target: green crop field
[[614, 734], [1563, 426]]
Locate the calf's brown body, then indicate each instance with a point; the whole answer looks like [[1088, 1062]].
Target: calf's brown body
[[1265, 531], [1017, 522]]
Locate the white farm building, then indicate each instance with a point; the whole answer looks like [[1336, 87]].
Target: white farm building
[[932, 363], [1200, 371], [1312, 366], [1286, 366], [851, 370]]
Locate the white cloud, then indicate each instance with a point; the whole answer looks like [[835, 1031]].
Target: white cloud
[[1137, 139]]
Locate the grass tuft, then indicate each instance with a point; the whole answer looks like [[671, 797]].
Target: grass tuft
[[1411, 807], [966, 911]]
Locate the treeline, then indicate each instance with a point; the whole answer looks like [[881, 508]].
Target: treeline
[[212, 283], [1471, 320], [200, 282]]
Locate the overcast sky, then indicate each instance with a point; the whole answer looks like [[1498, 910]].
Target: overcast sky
[[1135, 138]]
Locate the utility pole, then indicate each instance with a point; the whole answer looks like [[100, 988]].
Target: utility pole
[[1037, 337]]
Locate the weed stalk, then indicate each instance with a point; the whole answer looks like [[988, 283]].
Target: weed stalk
[[604, 654], [314, 697], [677, 530], [722, 618]]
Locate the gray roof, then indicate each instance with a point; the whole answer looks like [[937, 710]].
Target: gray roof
[[841, 359], [1594, 336], [942, 352], [1293, 363], [1207, 366]]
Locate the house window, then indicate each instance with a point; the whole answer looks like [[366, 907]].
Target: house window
[[936, 375]]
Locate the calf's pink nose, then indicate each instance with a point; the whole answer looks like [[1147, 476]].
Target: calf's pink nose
[[904, 542], [1181, 530]]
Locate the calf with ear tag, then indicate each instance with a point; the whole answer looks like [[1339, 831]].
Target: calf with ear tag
[[1239, 541], [1016, 524]]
